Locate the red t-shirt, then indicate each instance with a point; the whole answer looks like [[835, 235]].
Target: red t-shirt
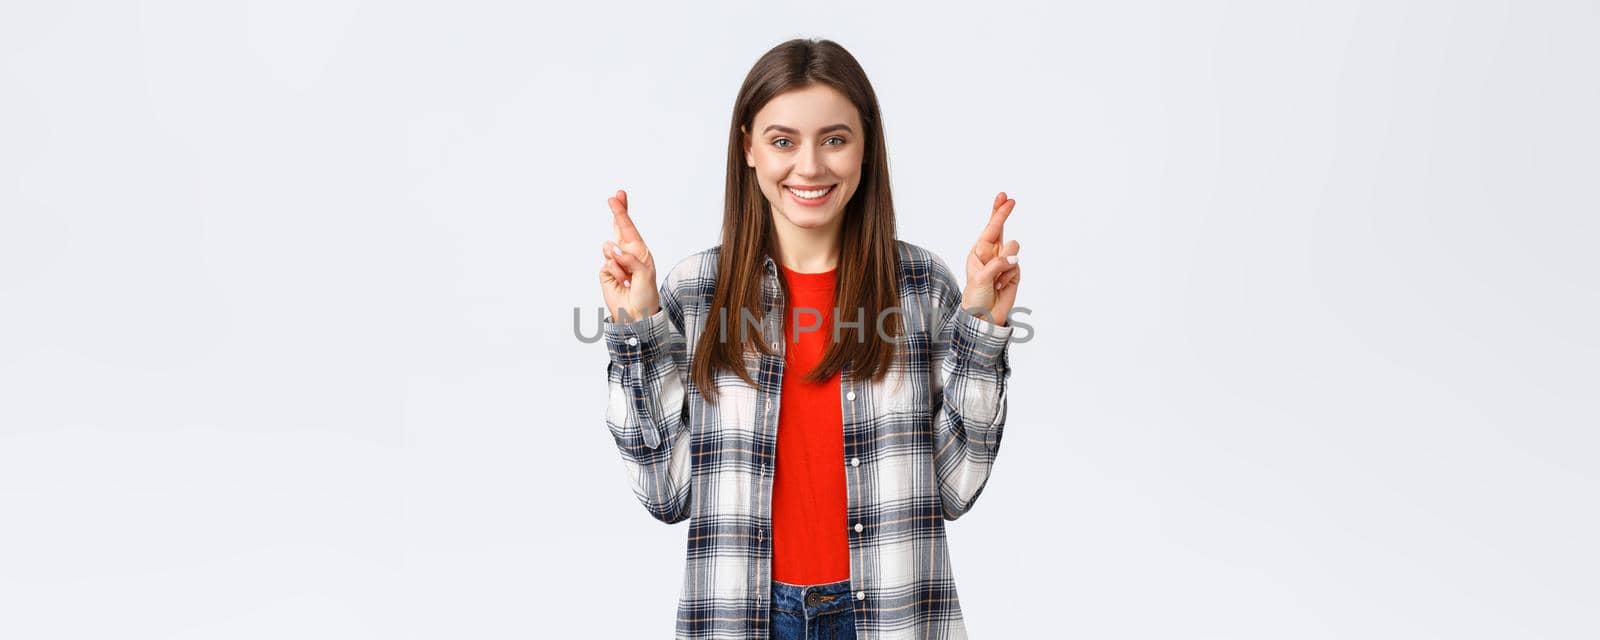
[[810, 544]]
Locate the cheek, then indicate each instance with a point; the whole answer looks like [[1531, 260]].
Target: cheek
[[768, 170], [848, 169]]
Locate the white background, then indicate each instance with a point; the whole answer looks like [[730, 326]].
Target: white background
[[286, 292]]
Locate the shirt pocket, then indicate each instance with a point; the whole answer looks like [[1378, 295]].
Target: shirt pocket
[[905, 389]]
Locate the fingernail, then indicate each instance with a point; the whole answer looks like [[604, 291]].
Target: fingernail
[[616, 249], [1011, 259], [627, 283]]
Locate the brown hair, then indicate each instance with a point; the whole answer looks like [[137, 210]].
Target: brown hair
[[868, 255]]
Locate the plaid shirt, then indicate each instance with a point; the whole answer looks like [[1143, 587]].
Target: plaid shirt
[[918, 447]]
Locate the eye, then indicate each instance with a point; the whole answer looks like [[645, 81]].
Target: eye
[[775, 143], [841, 140]]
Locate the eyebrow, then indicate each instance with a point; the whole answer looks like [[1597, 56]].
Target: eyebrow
[[794, 132]]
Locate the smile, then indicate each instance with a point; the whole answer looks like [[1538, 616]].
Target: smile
[[812, 196]]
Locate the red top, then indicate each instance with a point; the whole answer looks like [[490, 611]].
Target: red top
[[810, 543]]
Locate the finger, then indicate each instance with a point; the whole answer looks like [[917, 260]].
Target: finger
[[639, 253], [1008, 255], [990, 273], [1009, 278], [616, 229], [999, 199], [609, 278], [994, 231], [612, 250], [616, 254], [1010, 249], [617, 272], [986, 252], [1005, 261], [1009, 273], [1008, 205], [630, 262], [626, 232], [623, 277]]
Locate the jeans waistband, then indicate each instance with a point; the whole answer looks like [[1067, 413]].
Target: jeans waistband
[[811, 600]]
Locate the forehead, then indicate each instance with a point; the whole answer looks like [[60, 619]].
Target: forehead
[[809, 108]]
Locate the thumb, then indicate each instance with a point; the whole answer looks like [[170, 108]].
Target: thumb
[[634, 264], [999, 264]]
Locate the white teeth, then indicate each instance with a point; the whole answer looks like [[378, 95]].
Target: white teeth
[[809, 195]]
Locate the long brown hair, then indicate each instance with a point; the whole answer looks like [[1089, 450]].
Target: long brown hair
[[868, 253]]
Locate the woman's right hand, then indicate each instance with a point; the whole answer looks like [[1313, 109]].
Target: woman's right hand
[[628, 278]]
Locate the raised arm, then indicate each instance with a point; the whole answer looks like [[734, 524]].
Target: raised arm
[[647, 373], [970, 365]]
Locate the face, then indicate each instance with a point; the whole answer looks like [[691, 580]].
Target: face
[[806, 146]]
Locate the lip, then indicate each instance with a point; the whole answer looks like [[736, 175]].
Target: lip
[[810, 202]]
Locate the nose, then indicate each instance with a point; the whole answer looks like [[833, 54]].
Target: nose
[[807, 163]]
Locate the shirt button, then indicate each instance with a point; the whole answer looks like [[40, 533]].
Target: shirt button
[[861, 595], [775, 345], [633, 342], [858, 527], [851, 395], [855, 462]]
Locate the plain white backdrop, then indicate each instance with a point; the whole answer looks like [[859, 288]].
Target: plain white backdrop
[[286, 293]]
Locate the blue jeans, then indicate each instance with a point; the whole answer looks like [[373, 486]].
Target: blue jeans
[[814, 612]]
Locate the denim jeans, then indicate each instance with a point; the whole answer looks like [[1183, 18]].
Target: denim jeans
[[814, 612]]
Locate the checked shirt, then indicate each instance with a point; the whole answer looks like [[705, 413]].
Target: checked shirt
[[918, 449]]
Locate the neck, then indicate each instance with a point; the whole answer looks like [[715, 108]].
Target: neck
[[814, 250]]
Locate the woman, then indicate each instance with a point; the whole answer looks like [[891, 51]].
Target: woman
[[815, 396]]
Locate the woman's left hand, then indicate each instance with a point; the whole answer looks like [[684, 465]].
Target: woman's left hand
[[993, 270]]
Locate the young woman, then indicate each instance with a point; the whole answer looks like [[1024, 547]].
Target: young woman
[[814, 395]]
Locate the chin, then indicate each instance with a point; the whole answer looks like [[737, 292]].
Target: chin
[[809, 219]]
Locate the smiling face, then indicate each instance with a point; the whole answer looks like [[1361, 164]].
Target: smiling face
[[806, 146]]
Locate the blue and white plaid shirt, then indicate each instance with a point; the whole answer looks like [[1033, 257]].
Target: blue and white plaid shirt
[[918, 447]]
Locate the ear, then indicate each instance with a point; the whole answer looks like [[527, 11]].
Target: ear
[[749, 158]]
